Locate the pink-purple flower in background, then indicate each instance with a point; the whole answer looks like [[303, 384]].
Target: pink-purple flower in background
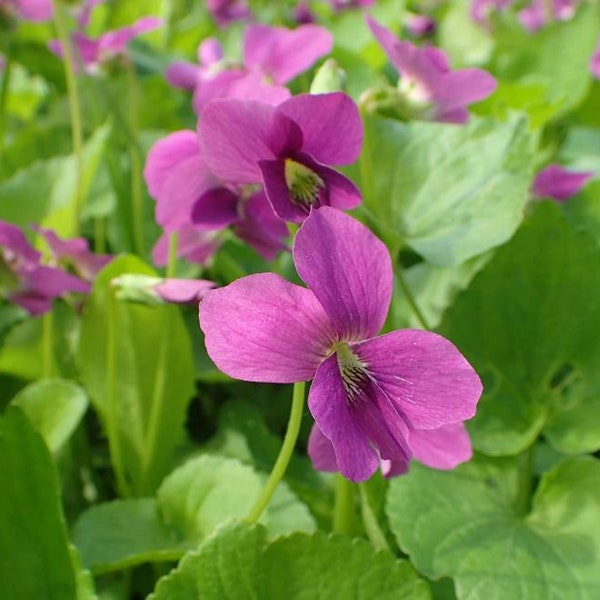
[[428, 88], [287, 148], [554, 181], [374, 399], [28, 10], [541, 12], [24, 280], [595, 62], [271, 57], [94, 52], [226, 11], [481, 10]]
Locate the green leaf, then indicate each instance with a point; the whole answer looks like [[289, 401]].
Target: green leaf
[[527, 323], [449, 192], [525, 57], [34, 546], [44, 191], [468, 524], [124, 533], [238, 563], [55, 407], [204, 494], [136, 364], [208, 491]]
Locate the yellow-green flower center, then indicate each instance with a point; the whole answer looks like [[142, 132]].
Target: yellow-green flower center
[[303, 183]]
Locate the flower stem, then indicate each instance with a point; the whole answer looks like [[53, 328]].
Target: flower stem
[[399, 271], [137, 213], [372, 529], [285, 454], [4, 97], [47, 345], [74, 109], [343, 510], [172, 258]]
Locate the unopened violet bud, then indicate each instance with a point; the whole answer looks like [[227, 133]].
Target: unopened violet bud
[[330, 77]]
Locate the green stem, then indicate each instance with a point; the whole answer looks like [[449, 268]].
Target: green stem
[[372, 529], [364, 163], [523, 500], [74, 109], [3, 98], [343, 510], [112, 402], [137, 212], [47, 345], [285, 454], [172, 259], [99, 235], [399, 271]]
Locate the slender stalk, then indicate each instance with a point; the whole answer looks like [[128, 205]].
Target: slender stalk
[[523, 500], [137, 213], [3, 99], [399, 271], [285, 454], [343, 510], [172, 258], [74, 109], [47, 345], [99, 235], [112, 412], [372, 529]]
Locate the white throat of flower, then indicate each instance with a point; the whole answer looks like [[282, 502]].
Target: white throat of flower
[[353, 371], [303, 183]]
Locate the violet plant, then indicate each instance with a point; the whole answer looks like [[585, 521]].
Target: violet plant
[[329, 330]]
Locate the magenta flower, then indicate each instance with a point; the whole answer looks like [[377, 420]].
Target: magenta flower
[[556, 182], [286, 148], [226, 11], [28, 10], [340, 5], [482, 9], [369, 393], [443, 448], [94, 52], [542, 12], [272, 56], [192, 245], [431, 90], [188, 196], [75, 253], [27, 282], [419, 25], [595, 62]]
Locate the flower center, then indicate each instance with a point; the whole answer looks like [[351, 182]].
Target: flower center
[[353, 371], [303, 183]]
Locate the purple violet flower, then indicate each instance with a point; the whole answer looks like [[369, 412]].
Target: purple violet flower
[[272, 56], [94, 52], [443, 448], [226, 11], [419, 25], [75, 252], [431, 90], [286, 148], [28, 10], [27, 282], [189, 196], [481, 10], [368, 393], [341, 5], [542, 12], [183, 291], [192, 245], [595, 62], [556, 182]]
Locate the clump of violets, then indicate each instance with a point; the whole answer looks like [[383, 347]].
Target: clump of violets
[[193, 203], [376, 400], [556, 182], [92, 53], [28, 10], [271, 57], [288, 149], [25, 280], [539, 13], [595, 62], [427, 88]]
